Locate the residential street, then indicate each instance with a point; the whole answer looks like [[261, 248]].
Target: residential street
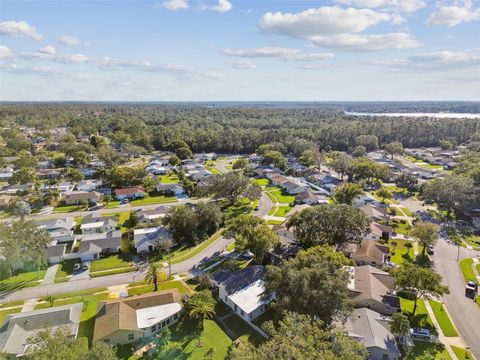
[[183, 267], [465, 313], [264, 205]]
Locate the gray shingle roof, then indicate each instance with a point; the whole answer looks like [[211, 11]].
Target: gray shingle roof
[[243, 278]]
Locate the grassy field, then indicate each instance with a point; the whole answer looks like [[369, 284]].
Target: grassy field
[[282, 211], [187, 253], [170, 178], [279, 195], [421, 318], [112, 204], [274, 222], [467, 271], [22, 280], [262, 182], [164, 286], [150, 200], [64, 270], [462, 353], [112, 262], [4, 313], [443, 319], [243, 331], [406, 211], [401, 226], [399, 252], [112, 272], [427, 350], [473, 240], [70, 208], [429, 166]]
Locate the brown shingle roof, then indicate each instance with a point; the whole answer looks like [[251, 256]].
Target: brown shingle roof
[[371, 249], [120, 314], [130, 190], [371, 283]]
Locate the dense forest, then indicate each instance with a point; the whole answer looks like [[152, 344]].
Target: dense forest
[[230, 128]]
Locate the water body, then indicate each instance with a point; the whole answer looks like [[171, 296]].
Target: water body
[[417, 115]]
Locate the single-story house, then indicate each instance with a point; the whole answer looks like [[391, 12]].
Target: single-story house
[[255, 157], [199, 174], [49, 173], [135, 192], [93, 245], [162, 161], [170, 189], [60, 230], [6, 173], [242, 291], [206, 156], [89, 185], [379, 231], [373, 288], [14, 189], [5, 200], [128, 320], [19, 328], [149, 216], [310, 198], [372, 330], [78, 197], [375, 213], [147, 239], [92, 224], [55, 253], [370, 252], [282, 231], [157, 169]]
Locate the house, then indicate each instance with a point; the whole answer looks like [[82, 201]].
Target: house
[[161, 161], [49, 173], [170, 189], [375, 213], [328, 181], [372, 330], [255, 157], [135, 192], [242, 291], [379, 231], [92, 224], [16, 189], [64, 188], [373, 288], [6, 173], [5, 200], [128, 320], [55, 253], [310, 198], [19, 328], [206, 156], [149, 216], [282, 231], [284, 250], [89, 185], [157, 169], [294, 186], [146, 239], [60, 230], [78, 197], [93, 245], [199, 174], [370, 252]]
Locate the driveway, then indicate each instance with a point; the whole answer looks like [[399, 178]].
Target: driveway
[[264, 206], [465, 313], [104, 281]]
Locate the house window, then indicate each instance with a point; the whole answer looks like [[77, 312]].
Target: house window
[[153, 328], [107, 340], [175, 317], [168, 321], [131, 336], [163, 324], [385, 356], [241, 312]]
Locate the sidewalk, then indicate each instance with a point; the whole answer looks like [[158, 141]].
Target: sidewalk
[[443, 339], [50, 275]]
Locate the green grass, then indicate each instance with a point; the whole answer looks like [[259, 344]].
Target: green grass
[[402, 226], [215, 171], [271, 196], [467, 271], [64, 270], [187, 253], [87, 319], [22, 280], [473, 240], [73, 300], [462, 353], [262, 182], [231, 246], [112, 204], [112, 272], [421, 318], [112, 262], [150, 200], [400, 253], [242, 331], [4, 313], [430, 166], [275, 222], [443, 319], [12, 304], [281, 197], [406, 211], [165, 286], [282, 211], [427, 350], [170, 178], [70, 208]]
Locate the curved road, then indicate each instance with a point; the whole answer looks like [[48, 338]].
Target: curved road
[[109, 280]]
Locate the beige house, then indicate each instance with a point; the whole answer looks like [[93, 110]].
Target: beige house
[[79, 197], [126, 320], [370, 252]]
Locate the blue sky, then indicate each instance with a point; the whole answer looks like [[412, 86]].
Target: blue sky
[[240, 50]]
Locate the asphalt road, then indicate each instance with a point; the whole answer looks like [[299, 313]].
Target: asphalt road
[[264, 206], [183, 267], [464, 312]]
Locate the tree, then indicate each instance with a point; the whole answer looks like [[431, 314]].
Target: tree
[[384, 194], [22, 209], [23, 176], [73, 174], [209, 217], [108, 155], [25, 160], [252, 234], [149, 184], [394, 148], [407, 181], [81, 158], [231, 186], [446, 145], [51, 299], [400, 326], [174, 160], [154, 275], [419, 282], [181, 221], [239, 164], [426, 234], [201, 306], [301, 337], [367, 169], [336, 225], [307, 158], [370, 142], [176, 144], [346, 193], [184, 153], [263, 149], [313, 283], [359, 151], [276, 159], [122, 176], [340, 162]]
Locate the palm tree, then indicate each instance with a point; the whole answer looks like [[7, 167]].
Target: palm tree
[[400, 326], [201, 307], [155, 275], [51, 299]]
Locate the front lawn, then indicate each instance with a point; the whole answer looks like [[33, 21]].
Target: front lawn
[[112, 204], [64, 270], [421, 318], [401, 226], [400, 252], [282, 211], [22, 280], [443, 319], [427, 350], [262, 182], [186, 253], [70, 208], [242, 331], [150, 200], [462, 353], [467, 271], [4, 313], [142, 289], [275, 222], [170, 178], [473, 240], [281, 197], [112, 262]]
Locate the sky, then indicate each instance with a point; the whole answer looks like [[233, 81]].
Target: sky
[[214, 50]]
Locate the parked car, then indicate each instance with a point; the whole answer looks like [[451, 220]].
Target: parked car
[[420, 334], [77, 267], [471, 289], [85, 266], [430, 250]]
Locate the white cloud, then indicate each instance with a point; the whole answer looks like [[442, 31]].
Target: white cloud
[[454, 14], [48, 50], [243, 65], [358, 42], [222, 6], [277, 52], [173, 5], [29, 69], [340, 28], [68, 40], [19, 29], [49, 53], [407, 6], [5, 52]]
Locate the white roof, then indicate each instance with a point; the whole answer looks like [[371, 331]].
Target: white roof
[[249, 298], [153, 315], [144, 231], [92, 225]]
